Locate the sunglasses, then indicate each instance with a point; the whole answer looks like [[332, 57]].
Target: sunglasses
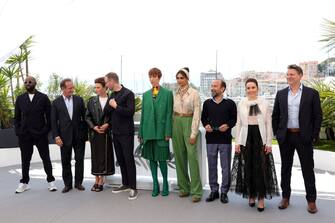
[[28, 82], [180, 78]]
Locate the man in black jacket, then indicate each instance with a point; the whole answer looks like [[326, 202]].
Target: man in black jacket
[[122, 104], [69, 130], [32, 125], [296, 121]]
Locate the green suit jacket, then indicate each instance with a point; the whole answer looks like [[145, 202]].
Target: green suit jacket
[[156, 117]]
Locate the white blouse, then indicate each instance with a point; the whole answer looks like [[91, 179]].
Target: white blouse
[[103, 102]]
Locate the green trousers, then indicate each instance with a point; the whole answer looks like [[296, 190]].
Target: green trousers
[[186, 155]]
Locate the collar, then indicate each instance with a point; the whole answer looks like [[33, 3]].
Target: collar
[[300, 87], [69, 98], [186, 89], [218, 102]]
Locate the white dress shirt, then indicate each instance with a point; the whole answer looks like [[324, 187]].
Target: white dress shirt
[[293, 104], [69, 105]]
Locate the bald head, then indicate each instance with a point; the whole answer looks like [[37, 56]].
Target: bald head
[[30, 84]]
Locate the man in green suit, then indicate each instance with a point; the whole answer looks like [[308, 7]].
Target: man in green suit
[[156, 129]]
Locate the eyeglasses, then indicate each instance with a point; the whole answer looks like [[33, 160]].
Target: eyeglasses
[[28, 82], [180, 78]]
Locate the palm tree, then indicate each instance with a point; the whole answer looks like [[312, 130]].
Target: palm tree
[[10, 72], [25, 48], [327, 98], [328, 35], [5, 105], [22, 57]]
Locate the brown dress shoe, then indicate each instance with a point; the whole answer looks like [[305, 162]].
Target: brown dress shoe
[[80, 187], [312, 208], [284, 203]]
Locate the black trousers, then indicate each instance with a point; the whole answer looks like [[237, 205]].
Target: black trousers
[[124, 150], [26, 144], [66, 156], [305, 152]]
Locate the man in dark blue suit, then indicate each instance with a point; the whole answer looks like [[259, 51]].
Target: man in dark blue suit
[[32, 125], [296, 121], [69, 130]]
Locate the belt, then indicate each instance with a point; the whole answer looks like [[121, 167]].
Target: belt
[[293, 130], [182, 114]]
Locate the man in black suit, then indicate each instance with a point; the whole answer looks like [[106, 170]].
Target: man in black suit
[[70, 131], [122, 106], [296, 121], [32, 125]]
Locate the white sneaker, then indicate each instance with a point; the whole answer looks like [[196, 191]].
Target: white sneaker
[[52, 187], [22, 188], [132, 194]]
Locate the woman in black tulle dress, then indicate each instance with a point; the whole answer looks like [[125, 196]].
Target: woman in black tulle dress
[[253, 171]]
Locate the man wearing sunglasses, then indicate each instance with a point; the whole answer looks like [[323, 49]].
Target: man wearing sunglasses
[[32, 125]]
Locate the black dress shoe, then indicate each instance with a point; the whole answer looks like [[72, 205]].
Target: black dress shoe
[[260, 209], [80, 187], [252, 204], [224, 198], [212, 196], [66, 189]]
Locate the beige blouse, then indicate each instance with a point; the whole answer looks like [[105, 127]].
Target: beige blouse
[[188, 103]]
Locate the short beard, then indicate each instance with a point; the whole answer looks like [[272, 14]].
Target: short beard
[[214, 94], [31, 90]]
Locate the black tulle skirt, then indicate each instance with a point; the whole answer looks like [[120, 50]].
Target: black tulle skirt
[[253, 171]]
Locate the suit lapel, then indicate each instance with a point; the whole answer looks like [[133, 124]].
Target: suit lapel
[[27, 101], [285, 109], [75, 104], [302, 100], [159, 94], [36, 98], [62, 102]]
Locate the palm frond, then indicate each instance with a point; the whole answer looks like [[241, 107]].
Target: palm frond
[[328, 35]]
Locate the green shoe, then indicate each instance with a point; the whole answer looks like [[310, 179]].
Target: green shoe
[[155, 189], [165, 191], [164, 170]]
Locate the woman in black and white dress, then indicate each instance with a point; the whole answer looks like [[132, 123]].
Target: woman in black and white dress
[[253, 171]]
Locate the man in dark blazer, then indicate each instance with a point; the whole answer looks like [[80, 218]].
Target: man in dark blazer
[[122, 109], [296, 121], [32, 125], [70, 131]]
